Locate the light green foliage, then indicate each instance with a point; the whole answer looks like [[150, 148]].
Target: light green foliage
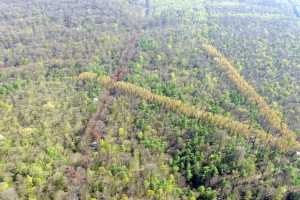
[[144, 151], [4, 186], [42, 135], [207, 193]]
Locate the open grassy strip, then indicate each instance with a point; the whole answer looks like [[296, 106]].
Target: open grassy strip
[[249, 92], [234, 127]]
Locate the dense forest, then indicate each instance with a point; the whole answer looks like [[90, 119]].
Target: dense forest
[[149, 99]]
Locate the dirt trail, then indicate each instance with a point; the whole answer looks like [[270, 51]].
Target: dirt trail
[[94, 130]]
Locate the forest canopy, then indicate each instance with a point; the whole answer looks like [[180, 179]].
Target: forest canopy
[[149, 99]]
